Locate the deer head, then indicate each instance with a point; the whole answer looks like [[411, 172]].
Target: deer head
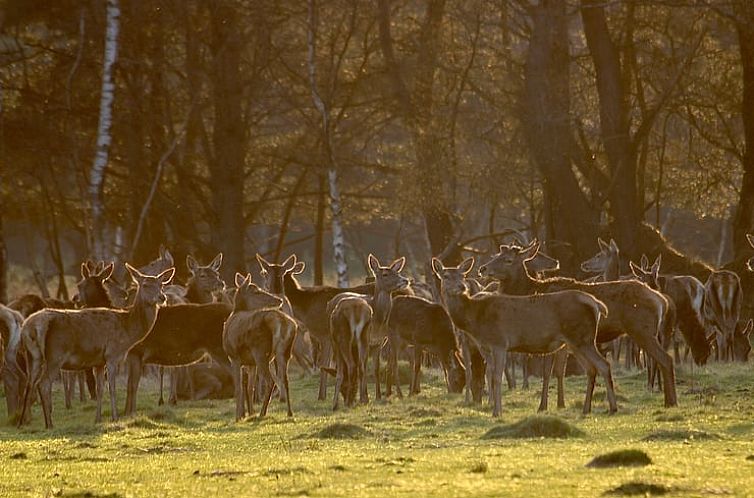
[[206, 279], [453, 279], [388, 278], [750, 262], [149, 288], [91, 287], [250, 296], [509, 263], [273, 274], [742, 342], [645, 273], [606, 261], [162, 263]]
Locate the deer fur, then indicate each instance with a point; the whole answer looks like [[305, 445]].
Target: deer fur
[[635, 309], [88, 338], [255, 334], [537, 324], [350, 320], [10, 370], [722, 308]]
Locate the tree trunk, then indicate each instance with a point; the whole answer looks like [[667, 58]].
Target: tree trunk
[[338, 237], [319, 232], [227, 163], [570, 220], [104, 138], [3, 265], [743, 221], [621, 158]]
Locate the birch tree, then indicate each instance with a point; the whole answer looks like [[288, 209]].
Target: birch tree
[[338, 237], [104, 137]]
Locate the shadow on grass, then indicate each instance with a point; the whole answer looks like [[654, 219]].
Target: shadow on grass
[[537, 426]]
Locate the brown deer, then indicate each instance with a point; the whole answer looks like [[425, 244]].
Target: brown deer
[[687, 293], [635, 309], [536, 324], [89, 338], [722, 309], [255, 334], [10, 369], [350, 320]]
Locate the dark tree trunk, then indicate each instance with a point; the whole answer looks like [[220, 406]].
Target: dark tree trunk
[[570, 220], [319, 231], [227, 163], [743, 222], [3, 266], [621, 158]]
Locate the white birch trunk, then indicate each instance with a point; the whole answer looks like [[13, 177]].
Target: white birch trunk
[[104, 138], [338, 237]]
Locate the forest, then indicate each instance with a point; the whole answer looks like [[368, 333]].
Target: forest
[[331, 129]]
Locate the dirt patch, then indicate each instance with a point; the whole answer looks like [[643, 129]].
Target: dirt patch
[[538, 426], [621, 458], [342, 431], [91, 494], [19, 456], [425, 412], [639, 488], [479, 467], [670, 418], [682, 435], [287, 472]]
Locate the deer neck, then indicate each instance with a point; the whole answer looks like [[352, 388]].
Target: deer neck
[[460, 307], [383, 303], [522, 283], [141, 317], [196, 295], [612, 272]]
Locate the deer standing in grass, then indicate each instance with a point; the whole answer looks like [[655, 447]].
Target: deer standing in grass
[[10, 369], [723, 297], [635, 309], [89, 338], [255, 334], [536, 324], [350, 320]]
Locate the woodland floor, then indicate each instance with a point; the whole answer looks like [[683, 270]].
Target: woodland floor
[[428, 445]]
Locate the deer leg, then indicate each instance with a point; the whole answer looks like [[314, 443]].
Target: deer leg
[[665, 364], [161, 374], [35, 372], [500, 357], [510, 377], [81, 380], [395, 347], [468, 374], [418, 354], [67, 388], [173, 375], [325, 350], [525, 370], [99, 374], [265, 372], [363, 344], [282, 357], [133, 363], [559, 366], [238, 388], [45, 397], [112, 371], [547, 363], [603, 367]]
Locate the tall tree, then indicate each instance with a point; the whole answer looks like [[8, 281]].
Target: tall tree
[[229, 138], [104, 137]]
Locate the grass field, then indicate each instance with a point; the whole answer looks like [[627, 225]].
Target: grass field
[[429, 445]]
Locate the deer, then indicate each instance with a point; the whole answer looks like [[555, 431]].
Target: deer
[[722, 308], [534, 324], [255, 334], [635, 309], [350, 319], [96, 338], [11, 370], [687, 293]]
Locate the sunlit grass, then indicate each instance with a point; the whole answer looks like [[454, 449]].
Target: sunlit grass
[[429, 445]]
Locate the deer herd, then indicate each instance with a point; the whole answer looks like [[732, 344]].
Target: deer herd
[[475, 327]]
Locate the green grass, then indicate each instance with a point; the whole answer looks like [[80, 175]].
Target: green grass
[[428, 445]]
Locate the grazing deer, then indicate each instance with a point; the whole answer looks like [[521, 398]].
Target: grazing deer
[[536, 324], [89, 338], [10, 368], [722, 308], [635, 309], [687, 293], [255, 334], [350, 320]]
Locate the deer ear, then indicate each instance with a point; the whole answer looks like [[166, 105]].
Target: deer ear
[[437, 267], [166, 276], [136, 275], [466, 266], [217, 262], [191, 263], [531, 251], [168, 257], [613, 245], [85, 270], [263, 263], [656, 265], [750, 238], [106, 272], [298, 268], [458, 356], [398, 264], [636, 270], [239, 280], [746, 332], [603, 245], [289, 263], [644, 261], [374, 263]]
